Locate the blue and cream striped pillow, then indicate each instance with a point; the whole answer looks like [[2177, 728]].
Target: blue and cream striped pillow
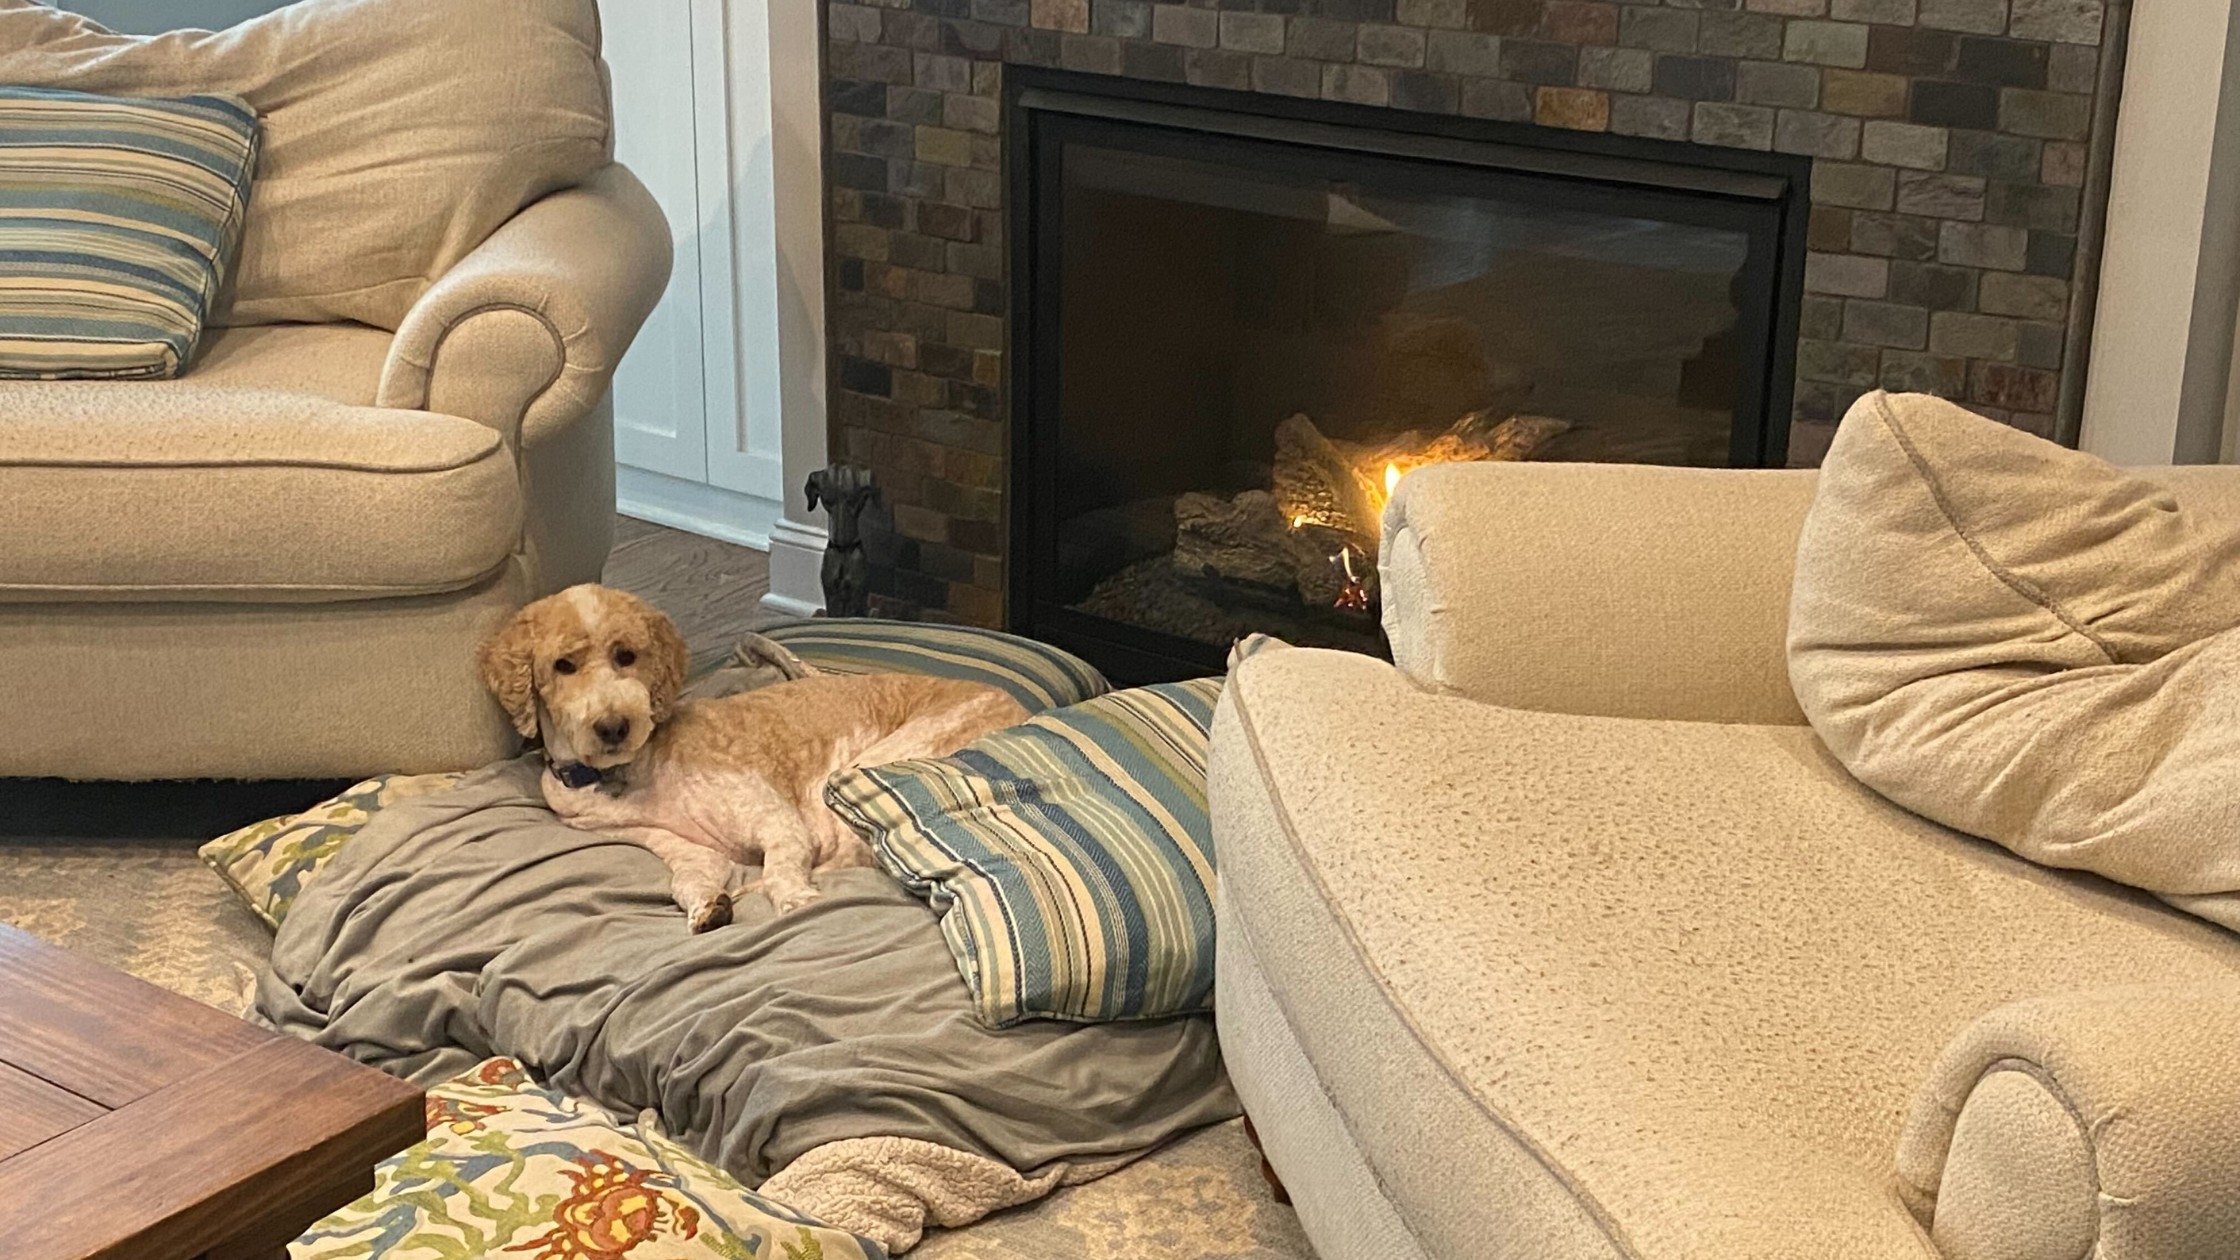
[[1035, 674], [119, 219], [1070, 858]]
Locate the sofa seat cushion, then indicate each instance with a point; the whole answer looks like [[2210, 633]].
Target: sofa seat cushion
[[137, 491], [1615, 987]]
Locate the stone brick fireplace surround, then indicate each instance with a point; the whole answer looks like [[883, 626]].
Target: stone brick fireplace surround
[[1959, 149]]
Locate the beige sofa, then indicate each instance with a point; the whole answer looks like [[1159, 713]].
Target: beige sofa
[[281, 564], [1565, 938]]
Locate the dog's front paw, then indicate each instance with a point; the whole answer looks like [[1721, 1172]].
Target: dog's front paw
[[713, 913], [786, 901]]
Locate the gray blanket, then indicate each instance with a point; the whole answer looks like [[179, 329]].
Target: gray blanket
[[472, 923]]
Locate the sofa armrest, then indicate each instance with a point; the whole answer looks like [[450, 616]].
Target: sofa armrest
[[524, 333], [1610, 589], [2103, 1124]]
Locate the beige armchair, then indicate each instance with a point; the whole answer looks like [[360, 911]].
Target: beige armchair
[[281, 564], [393, 436], [1565, 938]]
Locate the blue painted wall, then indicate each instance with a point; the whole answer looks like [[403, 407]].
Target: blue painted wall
[[148, 16]]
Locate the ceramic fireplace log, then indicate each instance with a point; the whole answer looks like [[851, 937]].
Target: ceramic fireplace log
[[1248, 539]]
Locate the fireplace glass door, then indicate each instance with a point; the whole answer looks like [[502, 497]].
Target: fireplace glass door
[[1239, 344]]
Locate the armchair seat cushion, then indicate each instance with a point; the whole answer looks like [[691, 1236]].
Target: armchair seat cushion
[[147, 491], [1603, 987]]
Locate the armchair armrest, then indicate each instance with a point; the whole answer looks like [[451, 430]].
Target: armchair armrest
[[2102, 1124], [524, 333], [1616, 590]]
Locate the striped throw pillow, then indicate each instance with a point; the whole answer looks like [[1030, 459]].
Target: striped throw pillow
[[1070, 858], [1035, 674], [118, 220]]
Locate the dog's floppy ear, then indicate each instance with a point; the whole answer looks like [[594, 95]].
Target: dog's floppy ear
[[814, 488], [508, 663], [665, 663]]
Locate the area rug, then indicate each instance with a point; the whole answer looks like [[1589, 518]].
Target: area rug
[[148, 907]]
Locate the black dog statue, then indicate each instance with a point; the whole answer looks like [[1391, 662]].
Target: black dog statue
[[846, 491]]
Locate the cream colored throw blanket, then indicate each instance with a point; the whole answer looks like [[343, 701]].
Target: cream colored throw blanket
[[2030, 645]]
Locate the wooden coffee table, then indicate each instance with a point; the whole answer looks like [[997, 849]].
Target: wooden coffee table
[[137, 1124]]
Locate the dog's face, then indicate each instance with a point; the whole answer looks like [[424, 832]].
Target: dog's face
[[606, 667]]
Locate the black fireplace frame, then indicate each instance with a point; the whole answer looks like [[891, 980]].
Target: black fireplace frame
[[1719, 187]]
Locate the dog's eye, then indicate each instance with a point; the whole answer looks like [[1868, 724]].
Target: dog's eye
[[563, 666], [624, 657]]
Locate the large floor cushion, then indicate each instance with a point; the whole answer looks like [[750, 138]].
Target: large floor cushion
[[167, 491], [1602, 987]]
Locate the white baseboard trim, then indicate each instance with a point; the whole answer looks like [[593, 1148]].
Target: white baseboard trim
[[696, 508], [796, 567]]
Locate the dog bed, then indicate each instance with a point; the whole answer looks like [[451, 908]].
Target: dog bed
[[831, 1054]]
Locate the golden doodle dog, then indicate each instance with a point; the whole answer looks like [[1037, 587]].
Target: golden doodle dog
[[596, 674]]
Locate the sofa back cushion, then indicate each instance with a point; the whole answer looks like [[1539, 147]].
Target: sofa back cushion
[[2027, 644], [397, 134]]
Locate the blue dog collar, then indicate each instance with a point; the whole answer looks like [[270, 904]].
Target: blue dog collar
[[574, 774]]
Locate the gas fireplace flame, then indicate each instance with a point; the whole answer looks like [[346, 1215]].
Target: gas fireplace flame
[[1391, 478], [1353, 594]]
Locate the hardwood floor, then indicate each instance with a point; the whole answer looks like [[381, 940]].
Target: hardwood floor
[[712, 590]]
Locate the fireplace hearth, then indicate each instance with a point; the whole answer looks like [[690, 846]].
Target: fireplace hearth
[[1237, 324]]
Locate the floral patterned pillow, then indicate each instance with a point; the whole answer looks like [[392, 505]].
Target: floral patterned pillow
[[268, 863], [510, 1168]]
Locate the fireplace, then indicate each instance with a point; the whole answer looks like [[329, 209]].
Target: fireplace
[[1236, 321], [1957, 157]]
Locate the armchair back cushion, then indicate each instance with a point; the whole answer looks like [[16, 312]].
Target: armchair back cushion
[[397, 134], [2028, 644]]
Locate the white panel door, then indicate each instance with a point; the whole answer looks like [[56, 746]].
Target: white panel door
[[660, 395], [744, 431]]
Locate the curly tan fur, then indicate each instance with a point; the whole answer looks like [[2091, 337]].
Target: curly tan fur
[[508, 664], [706, 783]]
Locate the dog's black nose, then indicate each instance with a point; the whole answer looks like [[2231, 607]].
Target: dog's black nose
[[613, 730]]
